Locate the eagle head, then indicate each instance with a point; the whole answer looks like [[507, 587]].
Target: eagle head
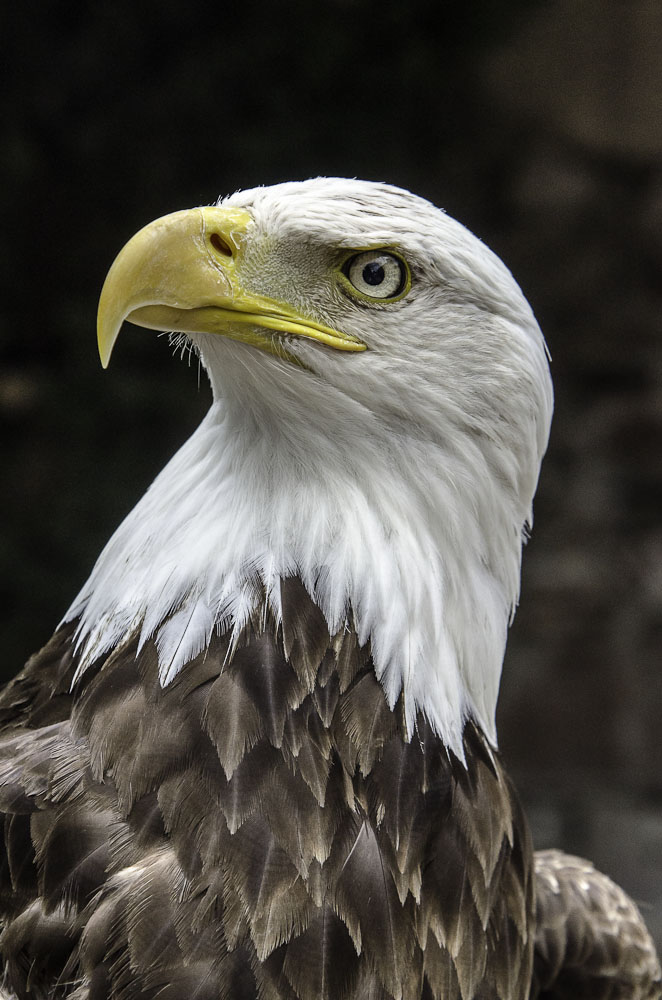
[[381, 406]]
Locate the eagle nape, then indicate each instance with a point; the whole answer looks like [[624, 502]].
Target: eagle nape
[[258, 757]]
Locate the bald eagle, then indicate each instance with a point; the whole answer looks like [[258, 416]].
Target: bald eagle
[[258, 757]]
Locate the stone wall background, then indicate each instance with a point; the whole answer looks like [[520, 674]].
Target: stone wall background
[[539, 125]]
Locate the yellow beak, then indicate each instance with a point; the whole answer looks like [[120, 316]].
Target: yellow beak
[[180, 273]]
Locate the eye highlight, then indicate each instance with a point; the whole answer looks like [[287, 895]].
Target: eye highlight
[[377, 274]]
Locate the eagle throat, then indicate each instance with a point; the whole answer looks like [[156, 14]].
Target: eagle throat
[[398, 555]]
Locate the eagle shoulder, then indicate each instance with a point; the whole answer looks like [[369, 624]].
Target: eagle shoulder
[[262, 826]]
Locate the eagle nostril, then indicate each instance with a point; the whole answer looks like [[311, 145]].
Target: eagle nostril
[[220, 244]]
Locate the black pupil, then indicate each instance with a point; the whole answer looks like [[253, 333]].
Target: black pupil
[[373, 273]]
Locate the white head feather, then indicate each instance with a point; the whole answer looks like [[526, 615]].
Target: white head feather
[[396, 482]]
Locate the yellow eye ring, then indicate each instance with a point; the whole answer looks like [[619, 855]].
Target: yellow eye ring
[[376, 275]]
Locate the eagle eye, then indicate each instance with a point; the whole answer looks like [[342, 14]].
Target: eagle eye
[[377, 274]]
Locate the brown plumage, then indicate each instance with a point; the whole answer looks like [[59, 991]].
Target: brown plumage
[[265, 827], [262, 827], [591, 940]]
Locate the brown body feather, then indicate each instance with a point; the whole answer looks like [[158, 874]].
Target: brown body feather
[[262, 827], [591, 941]]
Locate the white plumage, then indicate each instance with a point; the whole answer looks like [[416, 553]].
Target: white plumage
[[396, 482]]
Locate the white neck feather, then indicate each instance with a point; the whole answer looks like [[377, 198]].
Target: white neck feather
[[419, 537]]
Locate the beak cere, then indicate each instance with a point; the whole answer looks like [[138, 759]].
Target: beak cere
[[169, 270], [180, 273]]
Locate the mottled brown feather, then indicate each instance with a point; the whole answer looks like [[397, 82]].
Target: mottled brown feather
[[591, 940], [262, 827], [232, 721]]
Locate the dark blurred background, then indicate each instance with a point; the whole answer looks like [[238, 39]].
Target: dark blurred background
[[539, 125]]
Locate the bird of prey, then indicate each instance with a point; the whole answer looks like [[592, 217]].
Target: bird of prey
[[258, 760]]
